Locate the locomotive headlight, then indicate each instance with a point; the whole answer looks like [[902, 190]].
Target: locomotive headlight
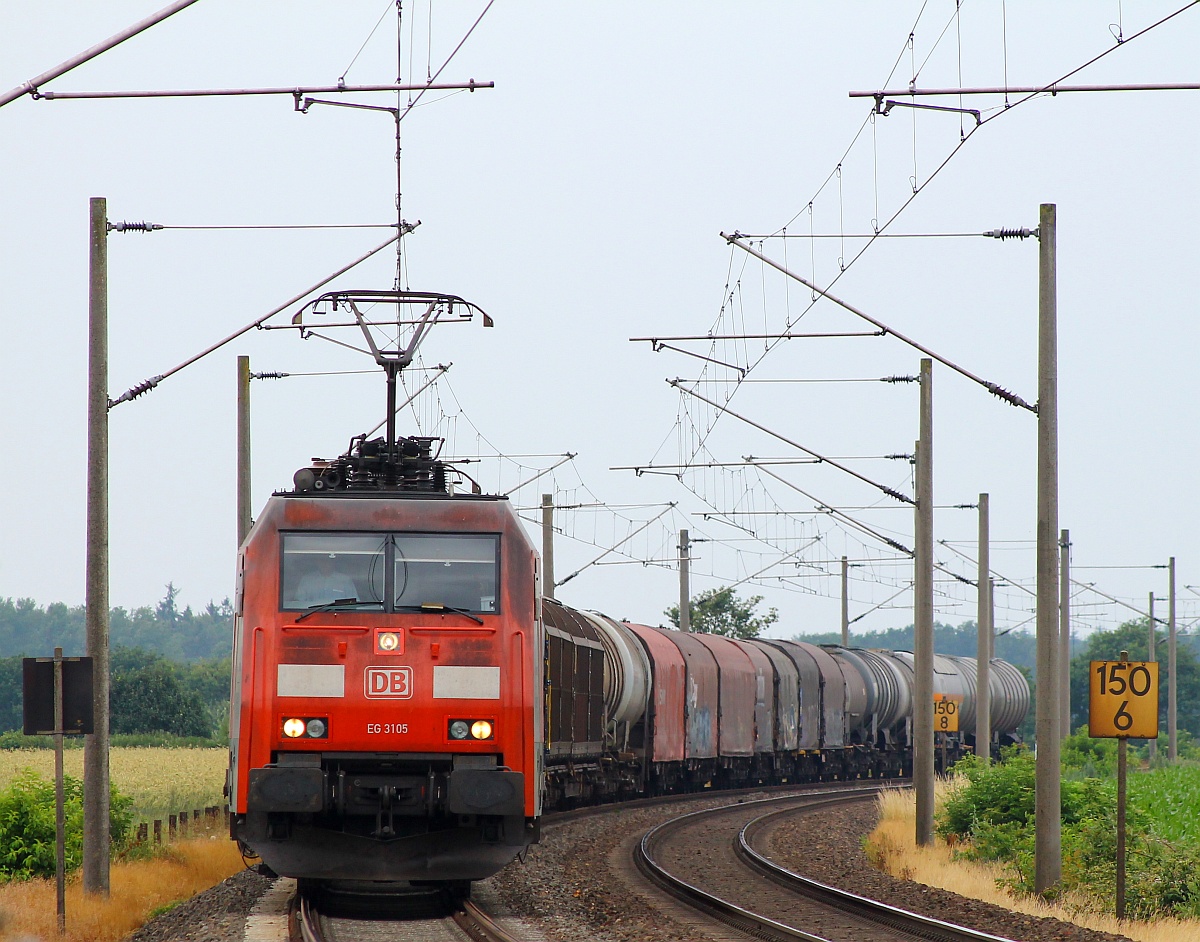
[[481, 729], [459, 729], [388, 641], [311, 727]]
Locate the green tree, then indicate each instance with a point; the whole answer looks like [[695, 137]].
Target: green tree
[[1134, 637], [721, 612], [150, 698], [209, 679], [1016, 647], [11, 694], [28, 629]]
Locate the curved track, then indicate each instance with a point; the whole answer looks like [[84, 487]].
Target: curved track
[[707, 860]]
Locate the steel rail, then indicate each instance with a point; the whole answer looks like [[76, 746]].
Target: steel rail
[[729, 913], [303, 914], [926, 927], [479, 925], [469, 917], [763, 927]]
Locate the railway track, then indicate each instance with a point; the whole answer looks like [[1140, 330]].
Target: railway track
[[707, 860], [416, 919]]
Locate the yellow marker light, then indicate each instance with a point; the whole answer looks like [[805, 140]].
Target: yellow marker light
[[481, 729], [293, 728], [388, 641]]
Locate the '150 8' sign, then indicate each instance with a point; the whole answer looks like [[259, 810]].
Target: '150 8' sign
[[1124, 700]]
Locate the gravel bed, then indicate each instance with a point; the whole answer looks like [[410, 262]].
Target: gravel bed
[[216, 915], [827, 846], [580, 883]]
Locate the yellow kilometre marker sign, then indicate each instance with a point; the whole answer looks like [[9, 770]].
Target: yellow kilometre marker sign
[[1124, 700], [946, 709]]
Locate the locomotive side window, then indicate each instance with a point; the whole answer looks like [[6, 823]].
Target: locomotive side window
[[322, 568], [457, 570]]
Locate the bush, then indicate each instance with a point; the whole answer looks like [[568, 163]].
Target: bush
[[27, 825], [1165, 879], [997, 794], [1083, 756], [15, 739], [992, 813]]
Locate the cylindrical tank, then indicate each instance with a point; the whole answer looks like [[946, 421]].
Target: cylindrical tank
[[860, 691], [893, 689], [967, 670], [1010, 696], [956, 676], [903, 669], [626, 670], [950, 680]]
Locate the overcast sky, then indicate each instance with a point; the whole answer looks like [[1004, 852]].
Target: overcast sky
[[580, 203]]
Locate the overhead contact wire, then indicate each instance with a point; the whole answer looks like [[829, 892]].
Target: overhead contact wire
[[1050, 87], [994, 388], [891, 492], [146, 385]]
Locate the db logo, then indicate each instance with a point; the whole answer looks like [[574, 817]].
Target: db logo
[[389, 682]]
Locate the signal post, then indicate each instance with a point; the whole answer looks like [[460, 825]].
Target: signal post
[[1123, 704]]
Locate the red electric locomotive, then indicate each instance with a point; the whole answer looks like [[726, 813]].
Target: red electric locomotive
[[386, 719]]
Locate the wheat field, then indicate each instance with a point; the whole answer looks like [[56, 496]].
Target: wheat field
[[161, 781]]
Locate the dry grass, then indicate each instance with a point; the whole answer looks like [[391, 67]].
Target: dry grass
[[160, 781], [140, 888], [892, 845]]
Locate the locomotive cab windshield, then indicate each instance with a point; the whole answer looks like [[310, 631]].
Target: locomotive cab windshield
[[395, 571]]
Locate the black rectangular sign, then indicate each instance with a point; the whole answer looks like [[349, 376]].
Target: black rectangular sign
[[38, 677]]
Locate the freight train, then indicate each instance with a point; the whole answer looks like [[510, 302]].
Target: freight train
[[405, 703]]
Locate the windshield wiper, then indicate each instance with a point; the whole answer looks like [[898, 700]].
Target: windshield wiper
[[335, 605], [439, 607]]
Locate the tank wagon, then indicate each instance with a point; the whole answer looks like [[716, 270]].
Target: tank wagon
[[405, 704]]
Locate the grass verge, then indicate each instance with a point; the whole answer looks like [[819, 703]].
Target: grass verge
[[892, 848], [140, 889]]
